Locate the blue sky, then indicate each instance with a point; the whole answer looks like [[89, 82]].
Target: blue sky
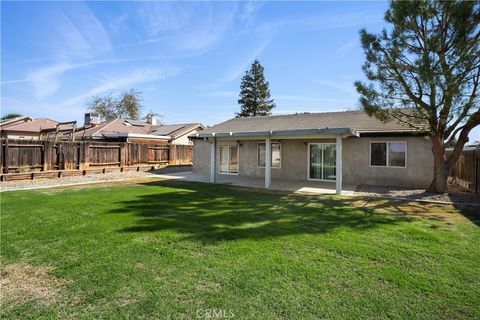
[[186, 57]]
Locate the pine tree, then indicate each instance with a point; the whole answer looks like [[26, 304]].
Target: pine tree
[[426, 70], [255, 98]]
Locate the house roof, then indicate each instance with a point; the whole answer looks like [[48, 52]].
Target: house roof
[[35, 125], [114, 126], [13, 121], [177, 130], [122, 127], [348, 122]]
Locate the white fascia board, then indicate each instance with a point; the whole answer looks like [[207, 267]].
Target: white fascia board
[[290, 133]]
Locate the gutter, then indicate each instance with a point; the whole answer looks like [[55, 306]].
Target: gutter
[[273, 133]]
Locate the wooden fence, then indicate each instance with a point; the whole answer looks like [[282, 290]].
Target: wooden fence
[[466, 172], [45, 155]]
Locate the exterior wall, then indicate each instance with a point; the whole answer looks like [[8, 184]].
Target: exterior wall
[[146, 141], [21, 135], [418, 172], [201, 157], [184, 138], [356, 161]]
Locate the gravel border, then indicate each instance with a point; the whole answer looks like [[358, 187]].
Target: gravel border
[[69, 181], [421, 195]]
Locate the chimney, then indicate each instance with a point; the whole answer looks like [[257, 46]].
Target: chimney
[[91, 118], [151, 119]]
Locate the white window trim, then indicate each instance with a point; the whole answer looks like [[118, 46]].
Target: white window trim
[[386, 164], [238, 159], [281, 155], [308, 161]]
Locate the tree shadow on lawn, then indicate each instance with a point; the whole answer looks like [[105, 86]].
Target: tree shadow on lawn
[[471, 213], [211, 213]]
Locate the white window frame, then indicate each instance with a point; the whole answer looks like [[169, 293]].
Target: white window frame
[[308, 161], [281, 155], [388, 152], [238, 159]]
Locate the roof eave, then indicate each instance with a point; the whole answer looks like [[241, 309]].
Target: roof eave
[[273, 133]]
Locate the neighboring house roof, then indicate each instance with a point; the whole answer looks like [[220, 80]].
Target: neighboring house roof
[[467, 147], [353, 122], [13, 121], [114, 126], [177, 130], [36, 125], [133, 128]]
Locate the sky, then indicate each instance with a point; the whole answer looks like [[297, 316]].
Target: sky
[[187, 58]]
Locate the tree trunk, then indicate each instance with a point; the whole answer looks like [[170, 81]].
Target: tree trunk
[[441, 168]]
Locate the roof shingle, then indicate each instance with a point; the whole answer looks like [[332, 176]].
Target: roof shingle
[[356, 120], [35, 125]]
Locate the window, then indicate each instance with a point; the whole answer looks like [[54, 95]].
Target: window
[[228, 159], [388, 154], [276, 155]]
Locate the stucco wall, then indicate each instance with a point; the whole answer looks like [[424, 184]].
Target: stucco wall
[[201, 157], [356, 161], [418, 172], [26, 136], [184, 139]]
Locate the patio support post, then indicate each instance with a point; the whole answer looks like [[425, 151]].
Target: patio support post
[[268, 163], [339, 168], [213, 159]]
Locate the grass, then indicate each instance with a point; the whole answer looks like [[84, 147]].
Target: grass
[[178, 250]]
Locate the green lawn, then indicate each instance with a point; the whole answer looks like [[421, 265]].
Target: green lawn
[[176, 250]]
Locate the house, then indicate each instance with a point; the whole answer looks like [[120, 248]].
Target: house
[[333, 147], [26, 127], [138, 131]]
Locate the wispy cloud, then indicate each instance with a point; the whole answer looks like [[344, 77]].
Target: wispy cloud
[[79, 33], [241, 66], [191, 28], [325, 21], [249, 9], [77, 38], [119, 24], [164, 16], [221, 94], [125, 81], [347, 46], [342, 86], [46, 81]]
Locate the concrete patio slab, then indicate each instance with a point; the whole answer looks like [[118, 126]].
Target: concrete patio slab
[[302, 186]]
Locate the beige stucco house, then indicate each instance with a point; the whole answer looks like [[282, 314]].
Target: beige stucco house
[[336, 147], [26, 128]]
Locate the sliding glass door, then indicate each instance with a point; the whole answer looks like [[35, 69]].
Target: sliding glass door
[[228, 159], [322, 158]]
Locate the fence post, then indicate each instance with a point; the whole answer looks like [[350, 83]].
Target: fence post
[[172, 154], [60, 157], [123, 154], [82, 156], [1, 156], [477, 170], [50, 151], [44, 156], [5, 157]]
